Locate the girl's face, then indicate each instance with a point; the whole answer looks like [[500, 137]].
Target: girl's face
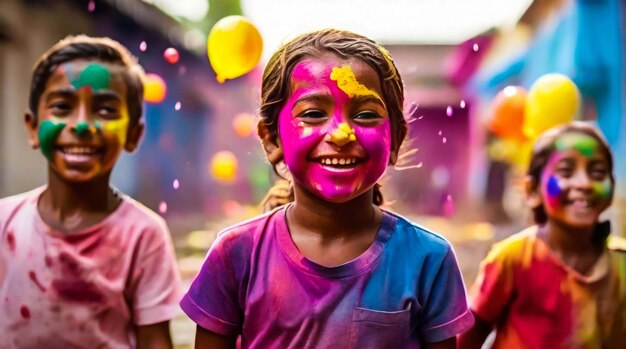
[[334, 128], [576, 184]]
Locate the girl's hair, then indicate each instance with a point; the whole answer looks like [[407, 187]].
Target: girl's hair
[[545, 146], [275, 88], [89, 48]]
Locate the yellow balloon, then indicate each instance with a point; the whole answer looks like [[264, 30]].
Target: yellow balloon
[[552, 100], [234, 47], [155, 88], [224, 167]]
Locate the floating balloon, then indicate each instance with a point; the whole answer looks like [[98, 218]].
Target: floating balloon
[[234, 47], [552, 100], [507, 117], [154, 89], [244, 124], [224, 167], [171, 55]]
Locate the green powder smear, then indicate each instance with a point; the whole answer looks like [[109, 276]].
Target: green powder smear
[[81, 128], [48, 133], [94, 75], [584, 144]]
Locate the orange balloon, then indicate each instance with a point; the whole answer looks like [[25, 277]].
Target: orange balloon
[[244, 124], [154, 89], [507, 116]]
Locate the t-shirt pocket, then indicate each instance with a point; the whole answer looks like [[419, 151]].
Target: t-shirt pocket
[[379, 329]]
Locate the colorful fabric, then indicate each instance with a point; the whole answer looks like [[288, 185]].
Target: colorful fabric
[[536, 301], [404, 290], [84, 290]]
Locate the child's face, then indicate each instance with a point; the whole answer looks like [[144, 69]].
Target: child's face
[[83, 120], [334, 128], [576, 184]]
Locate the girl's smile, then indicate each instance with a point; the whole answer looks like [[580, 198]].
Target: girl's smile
[[334, 129]]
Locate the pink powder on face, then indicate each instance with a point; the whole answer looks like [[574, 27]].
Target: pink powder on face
[[303, 142]]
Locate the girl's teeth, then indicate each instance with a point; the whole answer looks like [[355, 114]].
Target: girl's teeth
[[342, 162]]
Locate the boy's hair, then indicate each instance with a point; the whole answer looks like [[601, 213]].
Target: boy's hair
[[87, 48], [544, 147], [275, 88]]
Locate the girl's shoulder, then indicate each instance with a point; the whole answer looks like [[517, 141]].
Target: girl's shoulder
[[245, 234], [408, 233], [616, 243], [517, 247]]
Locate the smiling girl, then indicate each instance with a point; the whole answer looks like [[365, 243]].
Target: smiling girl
[[332, 269], [557, 284]]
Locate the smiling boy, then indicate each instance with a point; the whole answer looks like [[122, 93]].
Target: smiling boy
[[82, 265]]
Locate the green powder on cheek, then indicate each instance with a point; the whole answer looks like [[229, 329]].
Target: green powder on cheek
[[586, 145], [48, 133], [94, 75], [603, 189]]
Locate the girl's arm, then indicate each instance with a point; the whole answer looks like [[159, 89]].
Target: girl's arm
[[155, 336], [212, 340], [476, 335], [449, 343]]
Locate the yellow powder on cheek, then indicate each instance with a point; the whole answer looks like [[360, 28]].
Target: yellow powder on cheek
[[119, 128], [346, 81]]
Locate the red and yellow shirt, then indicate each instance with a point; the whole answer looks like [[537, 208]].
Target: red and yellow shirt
[[536, 301]]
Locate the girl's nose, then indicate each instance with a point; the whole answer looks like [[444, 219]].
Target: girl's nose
[[342, 135], [581, 179]]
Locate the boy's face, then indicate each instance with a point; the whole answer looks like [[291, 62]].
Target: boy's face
[[334, 128], [82, 120], [576, 184]]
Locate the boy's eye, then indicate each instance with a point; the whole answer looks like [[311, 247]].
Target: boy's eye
[[107, 112], [60, 108]]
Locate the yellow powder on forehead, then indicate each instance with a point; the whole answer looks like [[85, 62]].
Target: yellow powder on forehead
[[346, 81]]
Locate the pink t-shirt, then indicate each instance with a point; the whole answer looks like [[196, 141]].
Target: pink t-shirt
[[87, 289]]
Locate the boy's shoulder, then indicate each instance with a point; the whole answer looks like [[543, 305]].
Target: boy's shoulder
[[21, 198], [132, 211], [10, 205]]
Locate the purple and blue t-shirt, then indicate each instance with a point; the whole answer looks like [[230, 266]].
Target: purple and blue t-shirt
[[404, 290]]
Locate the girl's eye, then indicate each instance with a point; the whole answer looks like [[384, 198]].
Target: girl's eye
[[312, 116], [366, 116], [599, 173], [564, 171]]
